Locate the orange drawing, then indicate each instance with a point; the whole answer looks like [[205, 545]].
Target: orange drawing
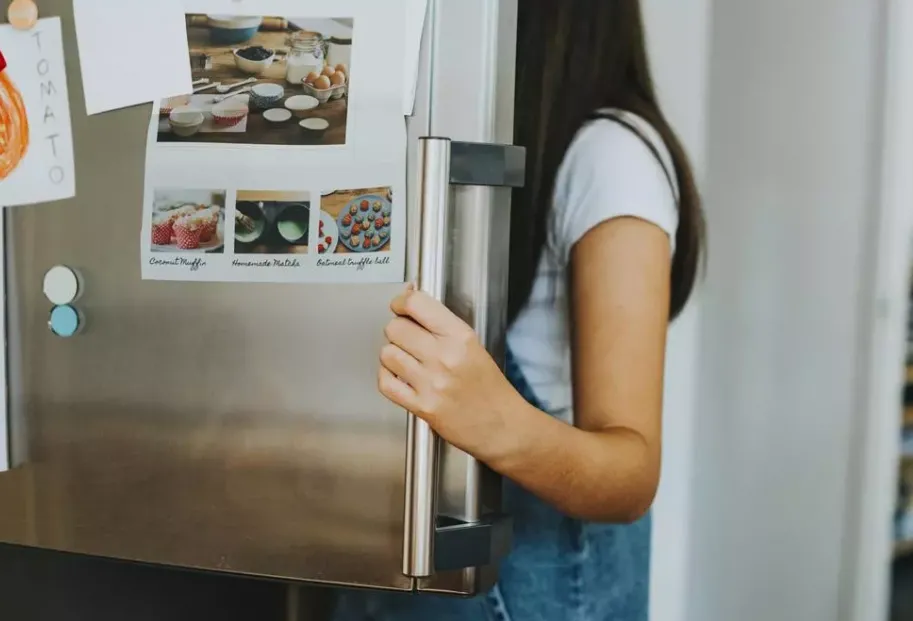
[[14, 127]]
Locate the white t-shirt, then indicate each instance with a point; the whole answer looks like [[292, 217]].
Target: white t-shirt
[[607, 172]]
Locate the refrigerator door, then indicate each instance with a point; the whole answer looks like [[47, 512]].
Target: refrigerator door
[[225, 427], [237, 427]]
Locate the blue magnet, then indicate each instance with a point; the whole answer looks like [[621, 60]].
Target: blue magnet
[[64, 321]]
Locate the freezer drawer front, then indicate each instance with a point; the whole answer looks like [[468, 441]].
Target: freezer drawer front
[[224, 427]]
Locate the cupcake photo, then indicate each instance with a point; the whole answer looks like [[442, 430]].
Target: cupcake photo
[[187, 232], [210, 219], [188, 221], [162, 229]]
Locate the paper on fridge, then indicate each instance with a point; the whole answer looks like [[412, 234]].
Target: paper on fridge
[[293, 170], [130, 51], [5, 458], [416, 11], [36, 162]]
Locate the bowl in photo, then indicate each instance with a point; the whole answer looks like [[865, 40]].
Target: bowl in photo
[[228, 113], [228, 29], [251, 66], [266, 95], [250, 222], [185, 115], [185, 121], [314, 128], [293, 223], [299, 105], [185, 131], [277, 115]]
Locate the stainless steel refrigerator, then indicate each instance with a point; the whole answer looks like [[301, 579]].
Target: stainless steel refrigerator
[[237, 427]]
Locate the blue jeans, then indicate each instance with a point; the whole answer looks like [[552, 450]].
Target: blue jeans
[[560, 569]]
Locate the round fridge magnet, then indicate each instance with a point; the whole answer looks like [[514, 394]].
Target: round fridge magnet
[[22, 14], [64, 321], [61, 285]]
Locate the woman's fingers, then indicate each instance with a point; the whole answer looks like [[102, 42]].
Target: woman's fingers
[[395, 389], [411, 338], [401, 364], [427, 312]]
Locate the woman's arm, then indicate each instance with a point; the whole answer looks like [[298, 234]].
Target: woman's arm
[[607, 467]]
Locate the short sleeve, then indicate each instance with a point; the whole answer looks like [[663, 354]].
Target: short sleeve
[[608, 172]]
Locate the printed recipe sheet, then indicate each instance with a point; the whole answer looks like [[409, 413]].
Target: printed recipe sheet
[[287, 162]]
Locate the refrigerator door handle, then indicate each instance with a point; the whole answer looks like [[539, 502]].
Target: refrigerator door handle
[[443, 163], [421, 443]]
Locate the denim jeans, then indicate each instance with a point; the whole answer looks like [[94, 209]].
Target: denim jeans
[[560, 569]]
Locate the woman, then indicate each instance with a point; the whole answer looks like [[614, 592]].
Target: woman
[[605, 243]]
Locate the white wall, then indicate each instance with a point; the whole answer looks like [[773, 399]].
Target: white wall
[[678, 39], [792, 154], [782, 379]]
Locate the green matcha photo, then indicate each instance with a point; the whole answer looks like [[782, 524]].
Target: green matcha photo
[[272, 222]]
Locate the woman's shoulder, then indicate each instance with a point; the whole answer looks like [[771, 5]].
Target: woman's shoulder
[[617, 165], [613, 137]]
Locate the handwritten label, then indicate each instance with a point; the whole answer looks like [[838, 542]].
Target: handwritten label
[[49, 97], [359, 263], [193, 264], [267, 263]]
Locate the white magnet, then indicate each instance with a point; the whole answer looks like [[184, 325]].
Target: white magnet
[[61, 285]]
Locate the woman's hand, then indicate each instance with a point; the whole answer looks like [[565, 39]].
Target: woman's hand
[[435, 367]]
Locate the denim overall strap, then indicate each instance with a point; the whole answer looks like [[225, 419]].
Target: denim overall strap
[[515, 374], [560, 569], [563, 569]]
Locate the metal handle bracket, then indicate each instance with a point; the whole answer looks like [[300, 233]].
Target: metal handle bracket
[[458, 545], [483, 164]]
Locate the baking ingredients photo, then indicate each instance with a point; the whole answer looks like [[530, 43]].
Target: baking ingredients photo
[[188, 221], [263, 80], [361, 221], [272, 222]]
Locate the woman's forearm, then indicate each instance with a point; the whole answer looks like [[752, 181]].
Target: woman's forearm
[[608, 475], [435, 367]]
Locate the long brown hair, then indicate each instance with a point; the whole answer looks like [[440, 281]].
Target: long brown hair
[[573, 58]]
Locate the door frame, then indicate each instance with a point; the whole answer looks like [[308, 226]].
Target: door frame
[[875, 452]]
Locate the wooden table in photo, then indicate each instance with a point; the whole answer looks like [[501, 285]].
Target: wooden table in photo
[[259, 130], [334, 203]]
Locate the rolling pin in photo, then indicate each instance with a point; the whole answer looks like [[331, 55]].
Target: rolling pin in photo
[[274, 23], [196, 20]]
